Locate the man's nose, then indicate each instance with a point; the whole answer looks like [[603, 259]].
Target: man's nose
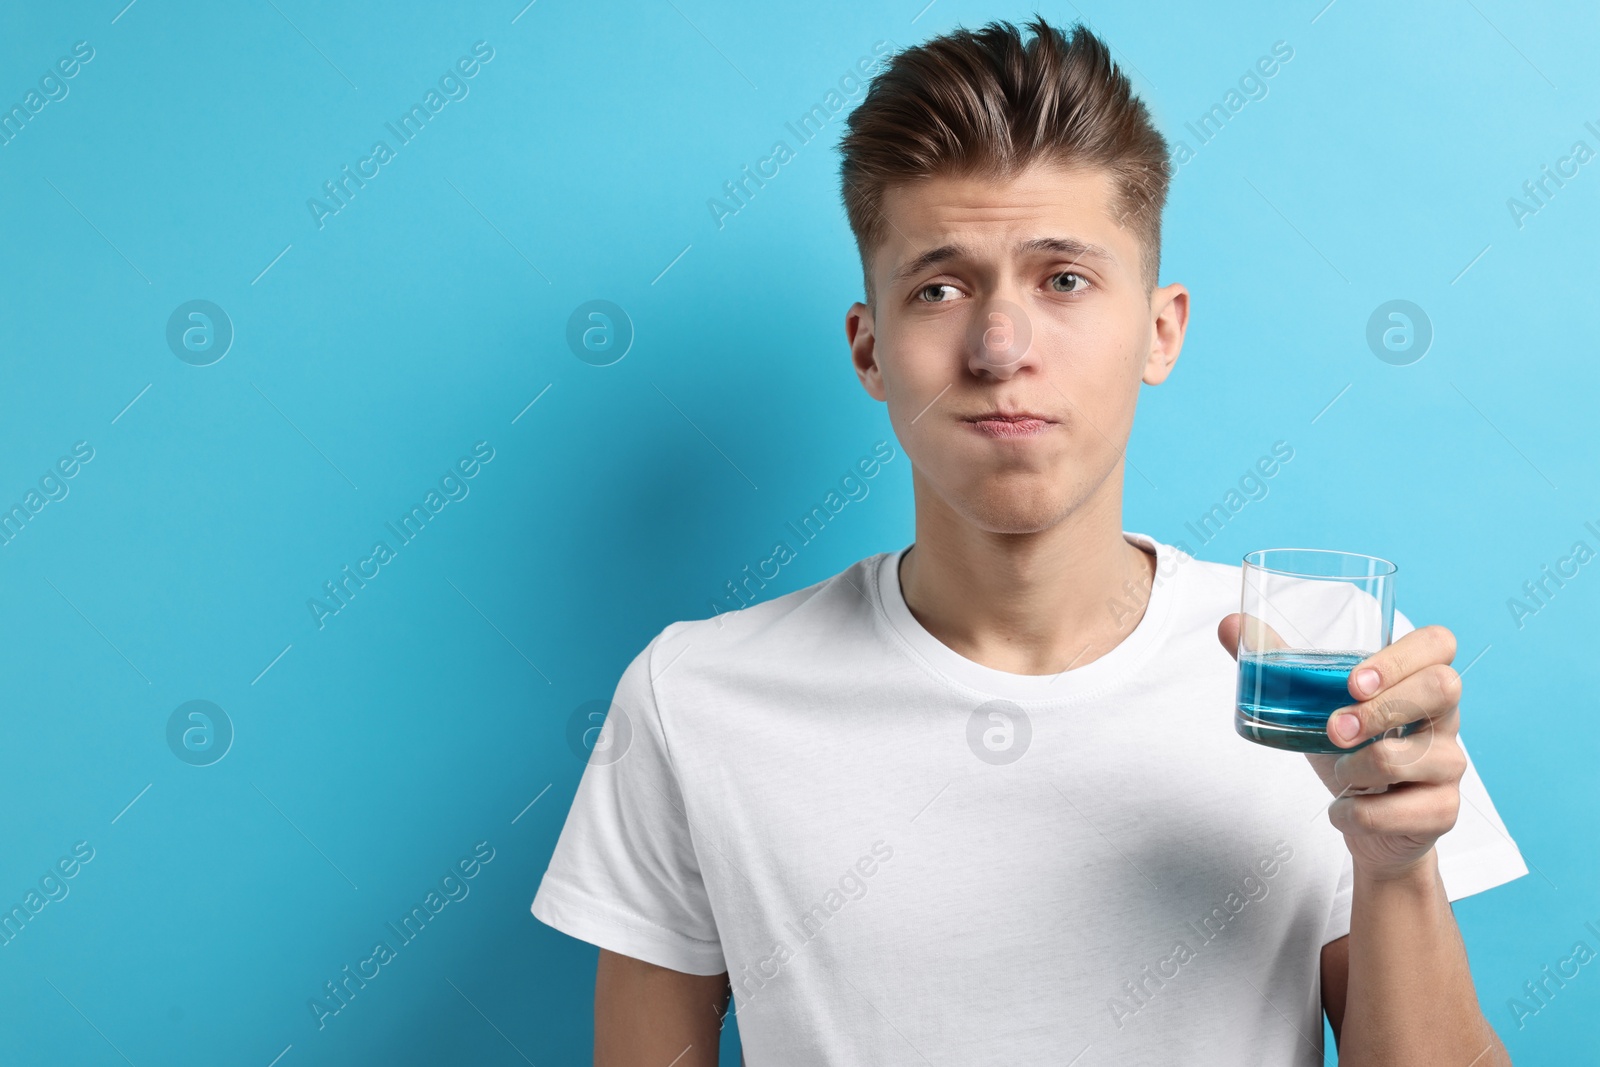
[[999, 339]]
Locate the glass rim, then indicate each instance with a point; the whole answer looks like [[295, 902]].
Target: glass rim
[[1259, 552]]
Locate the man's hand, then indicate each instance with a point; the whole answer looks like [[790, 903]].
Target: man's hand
[[1395, 797]]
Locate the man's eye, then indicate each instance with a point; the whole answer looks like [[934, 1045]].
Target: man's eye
[[1078, 278], [922, 294]]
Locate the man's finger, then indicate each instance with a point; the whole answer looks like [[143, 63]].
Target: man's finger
[[1413, 652], [1247, 633], [1427, 756], [1431, 693], [1423, 811]]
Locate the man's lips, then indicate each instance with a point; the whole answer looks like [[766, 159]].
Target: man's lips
[[1012, 416], [1021, 424]]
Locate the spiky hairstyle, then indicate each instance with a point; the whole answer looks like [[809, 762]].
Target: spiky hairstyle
[[986, 104]]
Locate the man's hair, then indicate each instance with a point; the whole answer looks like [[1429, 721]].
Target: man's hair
[[986, 104]]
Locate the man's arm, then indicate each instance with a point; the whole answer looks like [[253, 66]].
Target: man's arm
[[1335, 986], [644, 1014], [1409, 997], [1335, 980], [1407, 993]]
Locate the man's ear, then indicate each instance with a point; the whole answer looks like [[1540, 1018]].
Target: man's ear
[[1169, 306], [858, 329]]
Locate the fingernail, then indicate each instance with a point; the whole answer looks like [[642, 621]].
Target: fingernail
[[1347, 726], [1367, 681]]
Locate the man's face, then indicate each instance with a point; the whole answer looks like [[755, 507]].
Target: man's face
[[1032, 302]]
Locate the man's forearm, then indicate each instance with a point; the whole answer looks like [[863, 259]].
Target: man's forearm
[[1410, 1001]]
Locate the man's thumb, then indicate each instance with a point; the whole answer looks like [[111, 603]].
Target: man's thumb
[[1228, 633]]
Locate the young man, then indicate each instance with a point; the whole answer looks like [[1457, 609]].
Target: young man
[[980, 800]]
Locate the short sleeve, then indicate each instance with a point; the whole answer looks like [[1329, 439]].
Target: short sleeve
[[624, 874], [1474, 855]]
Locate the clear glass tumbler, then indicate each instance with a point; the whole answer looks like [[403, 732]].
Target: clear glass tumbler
[[1310, 616]]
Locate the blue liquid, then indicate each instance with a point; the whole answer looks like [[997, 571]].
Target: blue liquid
[[1286, 695]]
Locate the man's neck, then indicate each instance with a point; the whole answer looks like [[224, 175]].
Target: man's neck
[[1037, 603]]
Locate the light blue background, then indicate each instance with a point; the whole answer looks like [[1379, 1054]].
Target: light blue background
[[426, 315]]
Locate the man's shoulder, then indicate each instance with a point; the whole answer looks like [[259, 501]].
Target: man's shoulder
[[1204, 583], [793, 622]]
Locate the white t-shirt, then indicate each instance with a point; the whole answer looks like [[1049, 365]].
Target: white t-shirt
[[818, 797]]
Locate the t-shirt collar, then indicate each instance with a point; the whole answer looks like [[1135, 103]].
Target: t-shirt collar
[[1074, 683]]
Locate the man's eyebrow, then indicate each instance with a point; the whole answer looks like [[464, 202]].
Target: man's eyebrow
[[1068, 246], [1063, 246]]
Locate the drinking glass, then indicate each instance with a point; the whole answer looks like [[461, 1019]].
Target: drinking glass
[[1311, 615]]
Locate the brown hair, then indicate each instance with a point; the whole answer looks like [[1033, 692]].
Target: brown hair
[[985, 104]]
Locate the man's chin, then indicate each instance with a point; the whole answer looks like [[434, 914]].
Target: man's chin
[[1014, 512]]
